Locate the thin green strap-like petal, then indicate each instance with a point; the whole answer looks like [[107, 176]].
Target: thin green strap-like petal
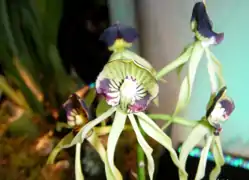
[[117, 128], [217, 67], [183, 58], [152, 129], [96, 143], [194, 60], [82, 134], [212, 76], [145, 146], [182, 96], [192, 140], [65, 140], [218, 157], [203, 159], [78, 170]]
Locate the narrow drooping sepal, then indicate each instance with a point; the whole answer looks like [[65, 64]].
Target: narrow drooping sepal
[[202, 26]]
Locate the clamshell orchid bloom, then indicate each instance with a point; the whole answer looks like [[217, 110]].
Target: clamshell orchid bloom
[[220, 110], [208, 128], [78, 115], [128, 85], [202, 26]]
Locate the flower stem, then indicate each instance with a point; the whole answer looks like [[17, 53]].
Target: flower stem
[[183, 58], [177, 120], [140, 160]]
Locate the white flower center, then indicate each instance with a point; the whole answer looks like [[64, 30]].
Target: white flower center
[[208, 42], [129, 88]]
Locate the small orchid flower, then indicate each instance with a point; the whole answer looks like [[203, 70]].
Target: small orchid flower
[[201, 26], [77, 116], [219, 110], [128, 84]]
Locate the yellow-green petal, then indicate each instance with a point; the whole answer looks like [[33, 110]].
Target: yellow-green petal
[[64, 141], [152, 129], [192, 140], [117, 128], [144, 145], [83, 133], [218, 157], [78, 170], [99, 147], [203, 159]]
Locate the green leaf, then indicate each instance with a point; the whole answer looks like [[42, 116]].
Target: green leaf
[[117, 128], [78, 170], [144, 145], [83, 133], [192, 140], [203, 159], [152, 130], [96, 143], [10, 92], [102, 107], [194, 60], [182, 97], [65, 140], [218, 157], [183, 58], [90, 97]]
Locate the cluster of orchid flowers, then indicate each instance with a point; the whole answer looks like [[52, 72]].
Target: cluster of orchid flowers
[[129, 83]]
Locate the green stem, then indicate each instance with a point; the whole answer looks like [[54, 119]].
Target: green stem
[[140, 160], [183, 58], [176, 119]]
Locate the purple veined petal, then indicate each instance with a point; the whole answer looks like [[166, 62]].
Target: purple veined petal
[[229, 107], [112, 96], [141, 104], [75, 107]]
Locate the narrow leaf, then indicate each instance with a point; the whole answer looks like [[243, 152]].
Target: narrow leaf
[[117, 128], [78, 170], [192, 140], [203, 159], [65, 140], [96, 143], [83, 133], [218, 157], [144, 145], [152, 129], [183, 58]]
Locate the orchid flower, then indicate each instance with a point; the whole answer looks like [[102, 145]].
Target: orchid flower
[[77, 116], [219, 110], [128, 84], [205, 36]]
